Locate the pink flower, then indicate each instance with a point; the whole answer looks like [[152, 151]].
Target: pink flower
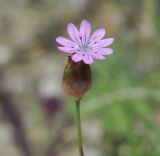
[[83, 45]]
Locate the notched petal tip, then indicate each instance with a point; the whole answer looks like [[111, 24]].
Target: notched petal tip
[[70, 24], [57, 38], [85, 26], [85, 22], [111, 40], [101, 31], [105, 51], [71, 27], [60, 48]]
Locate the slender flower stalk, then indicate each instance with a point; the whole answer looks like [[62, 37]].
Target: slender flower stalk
[[79, 129], [77, 79]]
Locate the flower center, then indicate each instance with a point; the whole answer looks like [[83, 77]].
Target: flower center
[[85, 48]]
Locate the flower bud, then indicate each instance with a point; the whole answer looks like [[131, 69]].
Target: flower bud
[[77, 78]]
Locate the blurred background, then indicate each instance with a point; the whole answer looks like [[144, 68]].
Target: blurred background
[[121, 112]]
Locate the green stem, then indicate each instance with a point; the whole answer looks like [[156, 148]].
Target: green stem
[[80, 140]]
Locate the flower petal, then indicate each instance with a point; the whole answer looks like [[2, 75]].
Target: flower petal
[[87, 59], [103, 43], [77, 57], [65, 42], [85, 30], [104, 51], [74, 33], [67, 49], [97, 36], [97, 56]]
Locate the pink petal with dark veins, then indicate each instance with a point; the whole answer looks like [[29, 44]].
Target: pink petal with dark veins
[[65, 42], [88, 59], [103, 43], [104, 51], [97, 36], [85, 30], [74, 33], [67, 49]]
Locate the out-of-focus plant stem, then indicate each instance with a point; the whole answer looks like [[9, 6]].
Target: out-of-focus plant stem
[[11, 111]]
